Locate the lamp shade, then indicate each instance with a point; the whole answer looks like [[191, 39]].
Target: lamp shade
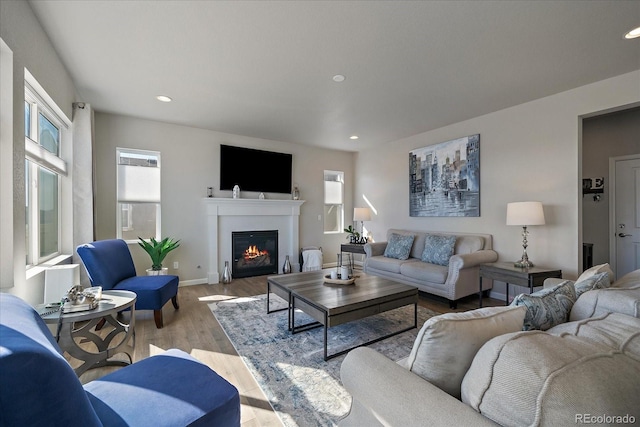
[[361, 214], [525, 213]]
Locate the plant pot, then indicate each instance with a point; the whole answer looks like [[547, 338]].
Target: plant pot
[[163, 272]]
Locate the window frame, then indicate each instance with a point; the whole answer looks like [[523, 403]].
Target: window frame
[[333, 176], [120, 204], [38, 157]]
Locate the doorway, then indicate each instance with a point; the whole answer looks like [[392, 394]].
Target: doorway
[[624, 227], [610, 135]]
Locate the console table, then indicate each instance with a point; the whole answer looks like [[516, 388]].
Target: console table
[[508, 273], [354, 248]]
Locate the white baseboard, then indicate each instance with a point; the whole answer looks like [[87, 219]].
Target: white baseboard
[[192, 282]]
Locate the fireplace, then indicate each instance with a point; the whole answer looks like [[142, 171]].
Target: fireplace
[[254, 253]]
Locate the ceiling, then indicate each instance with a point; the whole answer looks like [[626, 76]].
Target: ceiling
[[264, 68]]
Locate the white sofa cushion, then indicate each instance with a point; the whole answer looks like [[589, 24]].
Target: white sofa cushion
[[391, 265], [534, 378], [614, 330], [468, 244], [446, 344], [602, 268], [425, 272], [610, 300], [547, 307], [595, 281]]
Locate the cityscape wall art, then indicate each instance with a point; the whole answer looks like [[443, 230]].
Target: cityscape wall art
[[444, 179]]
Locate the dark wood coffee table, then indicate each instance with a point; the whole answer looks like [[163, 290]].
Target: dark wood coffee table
[[332, 305]]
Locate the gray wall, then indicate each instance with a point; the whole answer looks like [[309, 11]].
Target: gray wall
[[32, 49], [190, 164], [610, 135]]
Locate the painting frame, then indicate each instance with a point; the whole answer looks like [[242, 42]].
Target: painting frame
[[444, 179]]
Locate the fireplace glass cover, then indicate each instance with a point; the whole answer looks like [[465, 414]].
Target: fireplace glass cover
[[255, 253]]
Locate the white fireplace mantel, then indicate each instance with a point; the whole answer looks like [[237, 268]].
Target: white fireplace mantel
[[227, 215]]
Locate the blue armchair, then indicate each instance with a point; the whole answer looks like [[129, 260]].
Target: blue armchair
[[39, 387], [109, 264]]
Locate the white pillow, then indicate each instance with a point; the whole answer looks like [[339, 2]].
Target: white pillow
[[602, 268], [447, 344]]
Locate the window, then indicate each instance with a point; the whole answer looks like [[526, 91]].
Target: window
[[44, 171], [333, 202], [138, 194]]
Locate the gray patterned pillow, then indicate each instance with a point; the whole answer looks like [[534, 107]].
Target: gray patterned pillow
[[399, 246], [597, 281], [438, 249], [548, 307]]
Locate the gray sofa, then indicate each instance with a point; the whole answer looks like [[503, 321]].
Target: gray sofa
[[584, 371], [456, 280]]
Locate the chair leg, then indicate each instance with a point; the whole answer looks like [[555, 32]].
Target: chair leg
[[174, 301], [157, 316], [100, 324]]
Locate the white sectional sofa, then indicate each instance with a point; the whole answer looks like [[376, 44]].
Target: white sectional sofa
[[583, 371], [457, 279]]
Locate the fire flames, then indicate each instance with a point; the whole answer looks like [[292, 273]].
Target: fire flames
[[253, 252]]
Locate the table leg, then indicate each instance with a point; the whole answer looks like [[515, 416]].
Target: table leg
[[507, 299], [480, 293], [104, 345]]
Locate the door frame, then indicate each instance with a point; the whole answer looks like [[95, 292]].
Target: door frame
[[612, 203]]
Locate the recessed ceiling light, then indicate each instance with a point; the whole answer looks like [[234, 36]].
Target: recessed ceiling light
[[635, 33], [353, 137], [163, 98], [338, 78]]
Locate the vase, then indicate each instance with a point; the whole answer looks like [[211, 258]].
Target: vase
[[236, 191], [296, 193], [163, 272], [226, 274], [286, 268]]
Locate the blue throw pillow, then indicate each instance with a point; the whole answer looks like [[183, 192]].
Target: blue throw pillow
[[399, 246], [548, 307], [438, 249]]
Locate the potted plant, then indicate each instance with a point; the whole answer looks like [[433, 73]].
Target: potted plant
[[352, 235], [158, 250]]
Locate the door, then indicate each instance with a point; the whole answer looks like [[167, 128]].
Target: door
[[625, 228]]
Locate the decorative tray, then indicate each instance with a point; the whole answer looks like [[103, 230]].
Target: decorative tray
[[350, 281]]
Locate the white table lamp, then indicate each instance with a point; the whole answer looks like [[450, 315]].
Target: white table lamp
[[361, 214], [525, 214]]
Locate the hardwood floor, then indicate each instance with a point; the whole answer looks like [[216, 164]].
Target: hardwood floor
[[195, 330]]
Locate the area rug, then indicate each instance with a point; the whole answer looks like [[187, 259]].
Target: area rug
[[302, 388]]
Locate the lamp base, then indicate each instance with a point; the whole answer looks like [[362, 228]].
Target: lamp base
[[523, 263]]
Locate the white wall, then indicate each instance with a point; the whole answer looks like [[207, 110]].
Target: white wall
[[32, 49], [528, 152], [190, 164]]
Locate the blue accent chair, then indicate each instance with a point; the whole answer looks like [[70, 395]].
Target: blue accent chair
[[38, 387], [109, 264]]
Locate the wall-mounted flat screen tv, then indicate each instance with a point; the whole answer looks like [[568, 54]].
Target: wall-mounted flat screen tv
[[255, 170]]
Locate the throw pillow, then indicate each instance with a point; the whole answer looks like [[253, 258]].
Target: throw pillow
[[399, 246], [597, 281], [446, 344], [438, 249], [602, 268], [548, 307]]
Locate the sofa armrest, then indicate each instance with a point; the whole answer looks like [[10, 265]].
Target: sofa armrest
[[473, 259], [385, 393], [374, 248]]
